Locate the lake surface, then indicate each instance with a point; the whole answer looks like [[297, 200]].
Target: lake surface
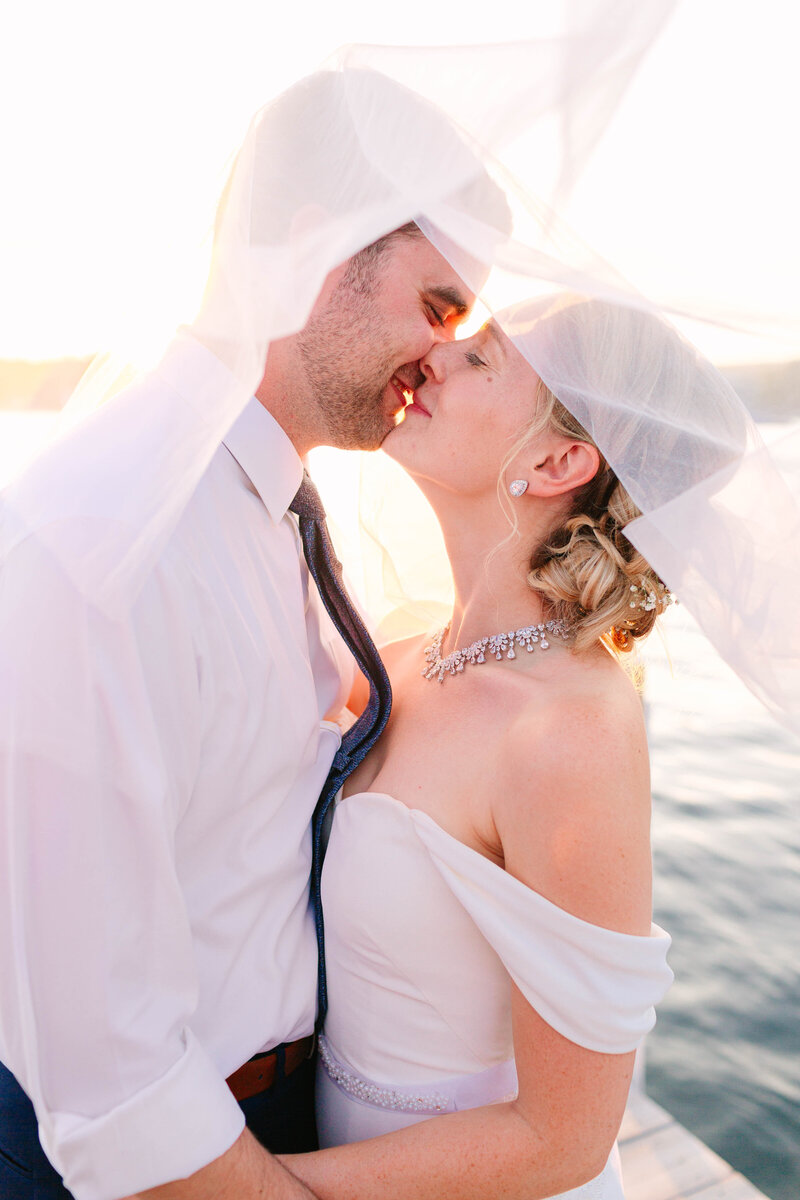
[[725, 1055]]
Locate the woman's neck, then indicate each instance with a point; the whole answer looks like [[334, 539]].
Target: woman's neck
[[489, 563]]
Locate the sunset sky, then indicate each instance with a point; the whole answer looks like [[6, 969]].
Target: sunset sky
[[118, 121]]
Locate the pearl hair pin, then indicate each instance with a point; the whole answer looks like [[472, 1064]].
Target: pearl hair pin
[[498, 645], [661, 597]]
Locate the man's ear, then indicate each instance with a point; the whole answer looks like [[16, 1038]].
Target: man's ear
[[562, 466]]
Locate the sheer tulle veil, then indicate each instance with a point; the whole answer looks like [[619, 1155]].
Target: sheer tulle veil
[[482, 146]]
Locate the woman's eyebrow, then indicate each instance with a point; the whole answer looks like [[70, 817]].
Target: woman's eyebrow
[[494, 330]]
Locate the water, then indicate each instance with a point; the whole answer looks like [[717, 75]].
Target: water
[[725, 1055]]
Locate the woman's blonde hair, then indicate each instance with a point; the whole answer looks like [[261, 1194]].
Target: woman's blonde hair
[[588, 573], [627, 383]]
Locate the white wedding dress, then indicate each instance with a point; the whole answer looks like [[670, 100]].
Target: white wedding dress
[[422, 934]]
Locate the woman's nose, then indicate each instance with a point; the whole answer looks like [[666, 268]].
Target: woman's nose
[[434, 364]]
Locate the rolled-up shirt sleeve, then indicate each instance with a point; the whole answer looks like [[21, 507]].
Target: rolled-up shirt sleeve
[[100, 741]]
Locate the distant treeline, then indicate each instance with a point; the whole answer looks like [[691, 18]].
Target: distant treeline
[[770, 390], [32, 386]]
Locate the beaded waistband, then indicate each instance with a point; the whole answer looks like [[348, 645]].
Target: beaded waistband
[[493, 1086]]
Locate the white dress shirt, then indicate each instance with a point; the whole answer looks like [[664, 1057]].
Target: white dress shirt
[[155, 927]]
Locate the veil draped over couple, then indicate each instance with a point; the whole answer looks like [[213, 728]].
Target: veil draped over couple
[[281, 916]]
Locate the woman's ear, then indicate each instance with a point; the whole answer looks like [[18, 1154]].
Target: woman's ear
[[562, 466]]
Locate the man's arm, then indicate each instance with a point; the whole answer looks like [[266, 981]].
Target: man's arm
[[245, 1172], [100, 735]]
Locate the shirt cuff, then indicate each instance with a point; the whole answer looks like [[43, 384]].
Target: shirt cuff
[[167, 1131]]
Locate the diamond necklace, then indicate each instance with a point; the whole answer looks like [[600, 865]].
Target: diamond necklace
[[498, 645]]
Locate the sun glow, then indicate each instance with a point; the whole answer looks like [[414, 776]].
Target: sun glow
[[124, 120]]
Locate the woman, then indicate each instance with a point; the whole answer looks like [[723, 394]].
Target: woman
[[499, 831]]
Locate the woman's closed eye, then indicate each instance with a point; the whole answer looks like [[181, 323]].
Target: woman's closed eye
[[474, 359]]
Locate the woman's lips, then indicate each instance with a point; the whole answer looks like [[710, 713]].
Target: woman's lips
[[416, 406], [409, 397]]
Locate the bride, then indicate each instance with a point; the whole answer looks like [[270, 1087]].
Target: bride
[[487, 885]]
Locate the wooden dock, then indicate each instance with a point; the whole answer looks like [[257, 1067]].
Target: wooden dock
[[663, 1161]]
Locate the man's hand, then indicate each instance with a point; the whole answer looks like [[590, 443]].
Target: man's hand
[[245, 1172]]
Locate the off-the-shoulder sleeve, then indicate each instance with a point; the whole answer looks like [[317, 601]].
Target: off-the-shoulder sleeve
[[595, 986]]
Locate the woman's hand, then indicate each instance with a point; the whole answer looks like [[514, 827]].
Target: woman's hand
[[343, 717]]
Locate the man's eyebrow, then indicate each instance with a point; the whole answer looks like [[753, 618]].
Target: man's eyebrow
[[450, 296]]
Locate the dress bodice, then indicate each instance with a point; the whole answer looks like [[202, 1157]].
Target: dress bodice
[[424, 934]]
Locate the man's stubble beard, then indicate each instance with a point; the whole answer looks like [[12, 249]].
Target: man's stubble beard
[[347, 368]]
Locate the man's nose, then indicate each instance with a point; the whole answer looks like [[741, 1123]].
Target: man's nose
[[435, 335]]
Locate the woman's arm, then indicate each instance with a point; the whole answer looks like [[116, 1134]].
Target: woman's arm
[[556, 1136], [579, 819]]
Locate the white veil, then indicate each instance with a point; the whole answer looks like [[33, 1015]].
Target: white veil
[[459, 139]]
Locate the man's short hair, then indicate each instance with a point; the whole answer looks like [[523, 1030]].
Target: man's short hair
[[308, 152]]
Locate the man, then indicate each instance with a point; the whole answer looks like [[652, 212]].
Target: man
[[161, 760]]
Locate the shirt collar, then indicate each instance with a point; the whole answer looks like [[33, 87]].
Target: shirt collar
[[267, 457]]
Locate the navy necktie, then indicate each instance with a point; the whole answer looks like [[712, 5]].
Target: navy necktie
[[326, 571]]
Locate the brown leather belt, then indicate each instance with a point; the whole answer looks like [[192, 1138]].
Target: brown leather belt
[[258, 1075]]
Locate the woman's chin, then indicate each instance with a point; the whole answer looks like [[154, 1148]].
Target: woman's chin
[[401, 445], [392, 444]]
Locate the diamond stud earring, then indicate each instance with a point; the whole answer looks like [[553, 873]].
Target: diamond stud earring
[[518, 487]]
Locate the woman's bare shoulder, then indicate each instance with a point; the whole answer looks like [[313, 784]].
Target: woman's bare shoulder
[[591, 713], [573, 806]]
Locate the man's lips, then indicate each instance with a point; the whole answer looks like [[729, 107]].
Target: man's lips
[[402, 390], [409, 395]]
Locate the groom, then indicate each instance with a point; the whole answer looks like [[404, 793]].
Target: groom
[[160, 959]]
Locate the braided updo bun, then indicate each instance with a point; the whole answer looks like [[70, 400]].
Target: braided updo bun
[[589, 574]]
